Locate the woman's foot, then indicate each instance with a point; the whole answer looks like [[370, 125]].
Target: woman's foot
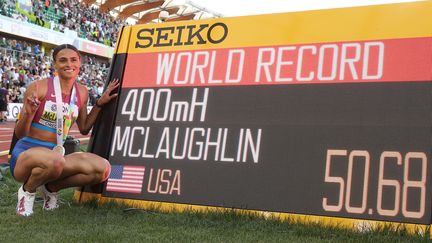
[[25, 202], [50, 198]]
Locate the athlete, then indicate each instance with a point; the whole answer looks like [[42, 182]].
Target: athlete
[[37, 159]]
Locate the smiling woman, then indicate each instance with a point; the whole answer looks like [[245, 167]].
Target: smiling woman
[[50, 108]]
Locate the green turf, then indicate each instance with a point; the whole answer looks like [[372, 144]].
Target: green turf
[[74, 222]]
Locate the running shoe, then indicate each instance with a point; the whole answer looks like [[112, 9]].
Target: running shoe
[[25, 202], [50, 198]]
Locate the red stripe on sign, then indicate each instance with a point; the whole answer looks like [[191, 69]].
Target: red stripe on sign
[[341, 62]]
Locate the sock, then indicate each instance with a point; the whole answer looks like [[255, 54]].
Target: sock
[[46, 187], [23, 187]]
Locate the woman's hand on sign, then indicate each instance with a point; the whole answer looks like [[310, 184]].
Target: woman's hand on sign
[[107, 96]]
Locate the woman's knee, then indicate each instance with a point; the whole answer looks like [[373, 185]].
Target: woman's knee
[[56, 164], [106, 171], [93, 165], [101, 169]]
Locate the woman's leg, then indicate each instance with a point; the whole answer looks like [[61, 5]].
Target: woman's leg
[[80, 169], [37, 166]]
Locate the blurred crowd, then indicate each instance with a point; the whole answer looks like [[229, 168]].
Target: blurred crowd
[[59, 15], [22, 62]]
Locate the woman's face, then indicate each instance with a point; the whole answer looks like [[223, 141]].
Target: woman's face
[[67, 64]]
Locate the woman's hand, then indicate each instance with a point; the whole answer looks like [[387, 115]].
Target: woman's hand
[[31, 104], [107, 96]]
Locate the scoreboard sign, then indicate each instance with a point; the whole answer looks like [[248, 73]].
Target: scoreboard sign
[[321, 113]]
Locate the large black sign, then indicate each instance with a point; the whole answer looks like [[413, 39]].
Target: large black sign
[[309, 113], [351, 150]]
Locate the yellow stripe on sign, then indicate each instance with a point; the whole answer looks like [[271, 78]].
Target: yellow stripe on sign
[[358, 225], [123, 40], [403, 20]]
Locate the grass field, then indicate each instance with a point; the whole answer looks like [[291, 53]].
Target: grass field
[[74, 222]]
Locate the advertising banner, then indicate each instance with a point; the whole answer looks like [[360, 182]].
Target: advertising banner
[[14, 110], [93, 48], [31, 31], [322, 113]]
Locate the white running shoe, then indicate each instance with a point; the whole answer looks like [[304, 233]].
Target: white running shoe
[[50, 198], [25, 202]]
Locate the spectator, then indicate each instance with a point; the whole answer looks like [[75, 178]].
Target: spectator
[[36, 50], [4, 100], [47, 4], [39, 18], [15, 75], [3, 42], [14, 94]]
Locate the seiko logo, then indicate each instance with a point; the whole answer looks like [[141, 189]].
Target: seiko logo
[[182, 35]]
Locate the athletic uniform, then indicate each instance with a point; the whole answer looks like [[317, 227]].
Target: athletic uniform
[[45, 119]]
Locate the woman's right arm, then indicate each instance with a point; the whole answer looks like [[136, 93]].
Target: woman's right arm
[[28, 111]]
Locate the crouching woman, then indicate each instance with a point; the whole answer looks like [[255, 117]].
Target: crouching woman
[[37, 160]]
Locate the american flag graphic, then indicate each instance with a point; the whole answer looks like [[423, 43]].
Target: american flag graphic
[[126, 179]]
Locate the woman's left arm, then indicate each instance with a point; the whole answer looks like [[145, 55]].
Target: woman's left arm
[[86, 121]]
